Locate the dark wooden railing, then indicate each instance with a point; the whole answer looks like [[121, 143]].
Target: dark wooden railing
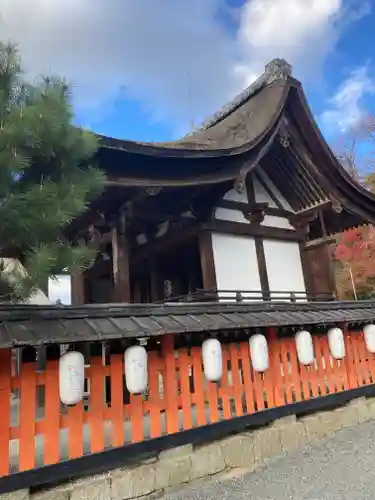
[[244, 296]]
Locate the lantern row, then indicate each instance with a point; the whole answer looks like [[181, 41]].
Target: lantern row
[[72, 364]]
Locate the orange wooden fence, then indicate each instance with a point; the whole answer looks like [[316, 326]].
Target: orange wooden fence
[[37, 430]]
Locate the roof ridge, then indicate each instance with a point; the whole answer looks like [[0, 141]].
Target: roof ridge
[[275, 70]]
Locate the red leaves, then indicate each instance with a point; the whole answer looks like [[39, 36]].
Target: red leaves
[[356, 252], [355, 245]]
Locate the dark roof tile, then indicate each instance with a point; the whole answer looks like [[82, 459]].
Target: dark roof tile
[[38, 325]]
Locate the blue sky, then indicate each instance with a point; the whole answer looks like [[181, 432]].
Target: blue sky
[[142, 69]]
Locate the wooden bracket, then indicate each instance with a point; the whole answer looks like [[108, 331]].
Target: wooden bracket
[[255, 213], [302, 221]]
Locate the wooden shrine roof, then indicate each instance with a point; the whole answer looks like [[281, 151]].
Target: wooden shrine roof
[[268, 127], [240, 125], [42, 325]]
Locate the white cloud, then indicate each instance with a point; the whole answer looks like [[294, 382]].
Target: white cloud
[[155, 50], [346, 111], [303, 31]]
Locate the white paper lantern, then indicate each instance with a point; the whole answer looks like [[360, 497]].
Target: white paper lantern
[[369, 334], [305, 347], [336, 343], [136, 372], [259, 352], [212, 360], [71, 377]]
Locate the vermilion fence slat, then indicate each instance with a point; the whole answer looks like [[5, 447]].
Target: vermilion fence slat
[[27, 416], [5, 405], [97, 404], [185, 367], [117, 398], [136, 417], [177, 391], [246, 371], [198, 385], [170, 384], [154, 396], [52, 415], [294, 372], [237, 384], [225, 389], [349, 362], [75, 430]]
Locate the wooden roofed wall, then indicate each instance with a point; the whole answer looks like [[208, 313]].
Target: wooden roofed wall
[[267, 131], [148, 211]]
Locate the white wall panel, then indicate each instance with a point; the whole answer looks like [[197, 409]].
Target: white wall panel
[[230, 215], [236, 262], [274, 221], [284, 268], [261, 195], [234, 195]]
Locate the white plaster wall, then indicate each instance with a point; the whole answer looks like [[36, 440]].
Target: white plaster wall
[[237, 216], [274, 221], [235, 262], [234, 195], [59, 288], [230, 215], [284, 268], [261, 195]]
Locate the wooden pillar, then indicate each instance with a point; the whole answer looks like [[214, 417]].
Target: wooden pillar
[[328, 256], [120, 259], [77, 288], [307, 278], [262, 267], [258, 240], [155, 281], [137, 293], [318, 269], [207, 260]]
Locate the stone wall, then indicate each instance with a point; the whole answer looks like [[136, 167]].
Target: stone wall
[[236, 454]]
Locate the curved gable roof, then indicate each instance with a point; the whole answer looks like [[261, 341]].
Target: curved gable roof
[[237, 127], [354, 197], [248, 125]]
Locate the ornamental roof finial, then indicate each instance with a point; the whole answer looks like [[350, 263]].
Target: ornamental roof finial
[[277, 69]]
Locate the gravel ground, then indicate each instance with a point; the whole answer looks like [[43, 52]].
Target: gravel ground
[[341, 467]]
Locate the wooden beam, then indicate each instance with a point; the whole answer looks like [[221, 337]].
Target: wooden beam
[[268, 191], [250, 189], [314, 208], [309, 285], [262, 267], [245, 207], [120, 260], [173, 238], [101, 241], [326, 240], [329, 256], [239, 228], [207, 260]]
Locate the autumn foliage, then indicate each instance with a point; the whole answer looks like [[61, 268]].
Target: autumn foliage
[[354, 255]]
